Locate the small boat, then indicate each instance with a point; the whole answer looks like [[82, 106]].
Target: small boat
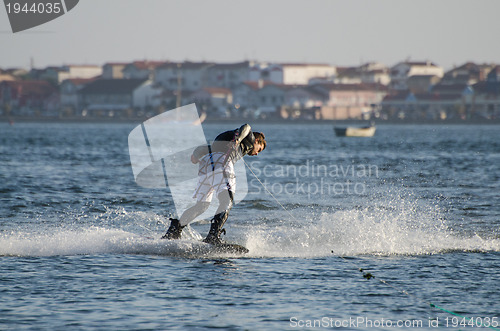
[[367, 131]]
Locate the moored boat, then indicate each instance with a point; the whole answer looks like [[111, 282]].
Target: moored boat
[[350, 131]]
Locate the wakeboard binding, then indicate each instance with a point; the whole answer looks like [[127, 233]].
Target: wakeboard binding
[[216, 229], [174, 231]]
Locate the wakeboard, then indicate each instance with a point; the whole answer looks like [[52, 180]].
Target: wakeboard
[[200, 247], [229, 248]]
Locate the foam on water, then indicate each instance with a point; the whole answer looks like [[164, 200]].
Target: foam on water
[[400, 230], [354, 232], [390, 223], [94, 241]]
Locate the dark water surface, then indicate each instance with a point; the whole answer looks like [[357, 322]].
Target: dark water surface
[[416, 206]]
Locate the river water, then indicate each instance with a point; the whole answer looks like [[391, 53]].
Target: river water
[[417, 207]]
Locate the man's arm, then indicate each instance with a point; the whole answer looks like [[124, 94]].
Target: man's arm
[[243, 132], [199, 152]]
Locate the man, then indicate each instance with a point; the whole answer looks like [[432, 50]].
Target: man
[[216, 175]]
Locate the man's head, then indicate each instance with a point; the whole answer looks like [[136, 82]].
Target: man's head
[[259, 145]]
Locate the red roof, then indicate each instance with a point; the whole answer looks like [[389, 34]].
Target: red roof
[[215, 90]]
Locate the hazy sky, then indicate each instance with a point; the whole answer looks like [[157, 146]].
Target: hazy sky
[[349, 32]]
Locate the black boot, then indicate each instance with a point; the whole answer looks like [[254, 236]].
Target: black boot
[[174, 231], [216, 229]]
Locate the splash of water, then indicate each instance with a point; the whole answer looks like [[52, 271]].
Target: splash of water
[[397, 226]]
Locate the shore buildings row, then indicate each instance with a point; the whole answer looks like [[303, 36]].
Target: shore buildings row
[[409, 90]]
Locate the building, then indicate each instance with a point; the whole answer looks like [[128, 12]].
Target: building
[[302, 73], [213, 100], [28, 98], [69, 93], [302, 101], [404, 70], [454, 97], [113, 70], [227, 75], [184, 76], [486, 101], [301, 97], [271, 97], [111, 97], [290, 73], [372, 72], [141, 69], [167, 99], [440, 103], [58, 74], [350, 101], [375, 73], [146, 96], [245, 95], [469, 73], [451, 89], [422, 83], [258, 99], [347, 75], [6, 76], [494, 74]]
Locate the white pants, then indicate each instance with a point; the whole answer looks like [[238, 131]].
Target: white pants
[[215, 174]]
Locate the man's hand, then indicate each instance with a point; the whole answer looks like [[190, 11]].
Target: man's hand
[[243, 132], [194, 160]]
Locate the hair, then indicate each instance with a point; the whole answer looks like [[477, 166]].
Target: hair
[[261, 139]]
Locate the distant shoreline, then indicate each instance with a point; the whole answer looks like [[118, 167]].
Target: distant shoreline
[[354, 122]]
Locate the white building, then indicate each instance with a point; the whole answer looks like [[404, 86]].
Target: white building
[[59, 74], [290, 73], [271, 97], [147, 95], [300, 97], [192, 76], [403, 70], [141, 69], [301, 73], [245, 95], [368, 73], [227, 75], [69, 89]]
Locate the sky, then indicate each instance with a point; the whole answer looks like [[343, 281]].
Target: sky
[[341, 33]]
